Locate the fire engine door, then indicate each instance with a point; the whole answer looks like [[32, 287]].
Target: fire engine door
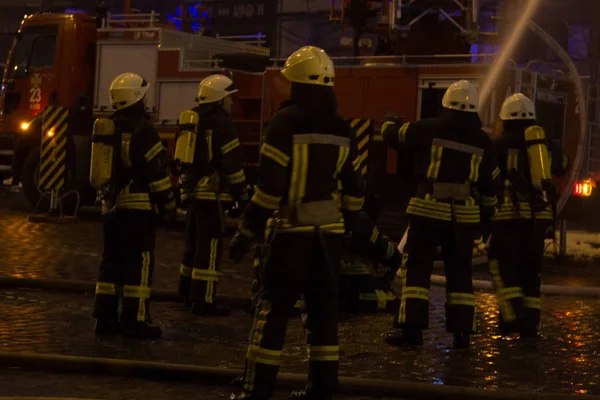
[[33, 66]]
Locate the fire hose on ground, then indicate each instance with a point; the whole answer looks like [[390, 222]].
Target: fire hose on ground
[[224, 376]]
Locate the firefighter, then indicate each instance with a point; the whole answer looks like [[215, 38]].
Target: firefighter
[[527, 161], [134, 183], [212, 177], [360, 290], [455, 195], [308, 172]]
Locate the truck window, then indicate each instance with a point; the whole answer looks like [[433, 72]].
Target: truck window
[[34, 49], [42, 53]]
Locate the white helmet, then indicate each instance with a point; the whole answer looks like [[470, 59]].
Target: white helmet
[[215, 88], [461, 96], [309, 65], [517, 106], [127, 89]]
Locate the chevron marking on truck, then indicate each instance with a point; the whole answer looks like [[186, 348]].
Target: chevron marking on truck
[[363, 128], [53, 159]]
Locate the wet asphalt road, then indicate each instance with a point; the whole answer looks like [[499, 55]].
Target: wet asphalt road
[[565, 360]]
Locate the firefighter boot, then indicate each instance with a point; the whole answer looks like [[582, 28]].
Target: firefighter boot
[[462, 341], [209, 310], [404, 337], [247, 396], [306, 395], [108, 327], [141, 330]]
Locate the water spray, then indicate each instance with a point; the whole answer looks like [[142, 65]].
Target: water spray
[[507, 50]]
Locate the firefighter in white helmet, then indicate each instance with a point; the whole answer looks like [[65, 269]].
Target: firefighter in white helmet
[[212, 178], [308, 177], [454, 173], [526, 211], [129, 170]]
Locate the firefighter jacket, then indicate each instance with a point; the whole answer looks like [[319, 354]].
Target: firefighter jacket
[[454, 170], [218, 160], [517, 196], [308, 172], [143, 182]]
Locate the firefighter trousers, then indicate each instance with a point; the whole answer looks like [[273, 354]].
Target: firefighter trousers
[[127, 266], [294, 265], [203, 251], [456, 240], [516, 255]]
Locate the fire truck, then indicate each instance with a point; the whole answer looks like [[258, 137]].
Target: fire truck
[[66, 60]]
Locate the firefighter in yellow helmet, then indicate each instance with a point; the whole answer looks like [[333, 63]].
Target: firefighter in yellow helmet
[[212, 177], [454, 172], [309, 185], [129, 168], [527, 161]]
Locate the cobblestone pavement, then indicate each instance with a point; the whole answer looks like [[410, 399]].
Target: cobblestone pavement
[[14, 382], [564, 360], [30, 250]]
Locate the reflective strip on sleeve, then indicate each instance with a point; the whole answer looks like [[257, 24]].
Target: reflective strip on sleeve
[[435, 163], [352, 203], [275, 154], [402, 133], [474, 173], [343, 154], [495, 173], [160, 185], [565, 162], [230, 146], [374, 235], [356, 164], [266, 200], [154, 151], [237, 177]]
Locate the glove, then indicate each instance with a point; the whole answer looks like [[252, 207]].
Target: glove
[[239, 247]]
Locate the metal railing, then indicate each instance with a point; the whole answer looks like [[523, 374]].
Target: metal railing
[[402, 59], [130, 21], [258, 40]]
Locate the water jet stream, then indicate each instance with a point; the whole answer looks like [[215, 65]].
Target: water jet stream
[[507, 51]]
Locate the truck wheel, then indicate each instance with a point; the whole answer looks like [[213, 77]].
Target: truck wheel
[[31, 188]]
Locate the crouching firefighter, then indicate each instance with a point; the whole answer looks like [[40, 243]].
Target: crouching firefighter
[[129, 169], [361, 288], [526, 213], [212, 176], [455, 193], [309, 148]]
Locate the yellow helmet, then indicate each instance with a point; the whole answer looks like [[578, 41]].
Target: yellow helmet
[[309, 65], [517, 106], [215, 88], [127, 89], [461, 96]]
